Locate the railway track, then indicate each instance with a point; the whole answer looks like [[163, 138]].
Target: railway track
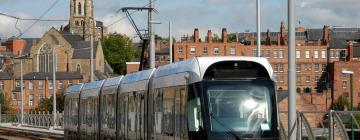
[[11, 134]]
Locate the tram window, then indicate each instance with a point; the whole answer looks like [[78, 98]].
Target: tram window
[[157, 110], [131, 117], [168, 108], [123, 104], [194, 114]]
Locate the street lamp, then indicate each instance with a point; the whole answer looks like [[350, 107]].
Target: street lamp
[[170, 37], [351, 73], [22, 87]]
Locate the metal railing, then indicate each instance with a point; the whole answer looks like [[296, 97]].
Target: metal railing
[[38, 120], [329, 125]]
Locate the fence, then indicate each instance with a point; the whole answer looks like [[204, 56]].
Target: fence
[[331, 125], [39, 120]]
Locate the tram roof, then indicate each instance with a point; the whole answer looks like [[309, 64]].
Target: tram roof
[[138, 76], [74, 88], [113, 81], [93, 85], [199, 65]]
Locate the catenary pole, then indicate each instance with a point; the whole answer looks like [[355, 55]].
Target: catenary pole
[[54, 87], [170, 42], [258, 26], [22, 92], [91, 58], [292, 126], [152, 36]]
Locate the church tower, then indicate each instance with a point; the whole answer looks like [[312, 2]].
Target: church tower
[[82, 18]]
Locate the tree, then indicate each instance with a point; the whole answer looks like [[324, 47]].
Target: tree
[[118, 49], [341, 103], [47, 103], [232, 37], [5, 102]]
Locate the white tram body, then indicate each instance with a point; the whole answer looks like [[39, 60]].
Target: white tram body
[[201, 98]]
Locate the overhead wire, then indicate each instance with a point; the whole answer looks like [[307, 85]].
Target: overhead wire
[[48, 10], [123, 18]]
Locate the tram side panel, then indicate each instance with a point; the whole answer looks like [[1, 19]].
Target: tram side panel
[[108, 113], [71, 116], [132, 115], [169, 98]]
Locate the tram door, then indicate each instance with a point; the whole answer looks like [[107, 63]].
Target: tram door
[[180, 127]]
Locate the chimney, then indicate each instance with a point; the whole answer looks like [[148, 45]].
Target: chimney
[[196, 35], [209, 36], [350, 48], [224, 35], [326, 36], [282, 33], [268, 38], [252, 39]]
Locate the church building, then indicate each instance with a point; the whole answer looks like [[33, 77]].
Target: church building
[[72, 47]]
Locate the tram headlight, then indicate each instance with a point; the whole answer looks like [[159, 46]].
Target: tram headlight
[[250, 104]]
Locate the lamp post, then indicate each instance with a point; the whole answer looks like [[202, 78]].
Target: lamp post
[[170, 37], [22, 87], [258, 26], [54, 87], [351, 73]]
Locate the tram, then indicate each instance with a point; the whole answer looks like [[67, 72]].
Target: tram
[[202, 98]]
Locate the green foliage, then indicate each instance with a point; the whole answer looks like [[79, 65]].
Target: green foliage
[[5, 102], [47, 103], [118, 49], [216, 38], [232, 37], [341, 103]]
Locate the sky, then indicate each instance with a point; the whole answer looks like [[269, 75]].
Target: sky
[[235, 15]]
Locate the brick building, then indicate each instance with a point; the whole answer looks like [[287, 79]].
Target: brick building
[[316, 51], [38, 86]]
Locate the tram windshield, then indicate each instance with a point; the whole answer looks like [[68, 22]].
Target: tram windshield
[[239, 106]]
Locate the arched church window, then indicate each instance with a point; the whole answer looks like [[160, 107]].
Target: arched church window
[[45, 59], [82, 23], [79, 8], [74, 7], [78, 68], [77, 23]]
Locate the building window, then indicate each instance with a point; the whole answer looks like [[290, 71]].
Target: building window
[[267, 54], [281, 53], [51, 85], [192, 50], [316, 67], [181, 50], [331, 53], [255, 52], [307, 79], [337, 53], [31, 84], [281, 78], [323, 54], [78, 68], [298, 78], [233, 51], [275, 54], [17, 83], [216, 50], [31, 99], [205, 50], [41, 96], [13, 96], [298, 54], [344, 84], [345, 94], [298, 67], [307, 67], [60, 85], [281, 67], [41, 85], [79, 8], [324, 78], [307, 54], [323, 67], [1, 84], [316, 54], [316, 78], [275, 67], [45, 59]]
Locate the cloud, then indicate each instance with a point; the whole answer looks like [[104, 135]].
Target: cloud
[[122, 26]]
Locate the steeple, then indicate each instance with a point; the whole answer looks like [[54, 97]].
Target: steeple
[[82, 18]]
